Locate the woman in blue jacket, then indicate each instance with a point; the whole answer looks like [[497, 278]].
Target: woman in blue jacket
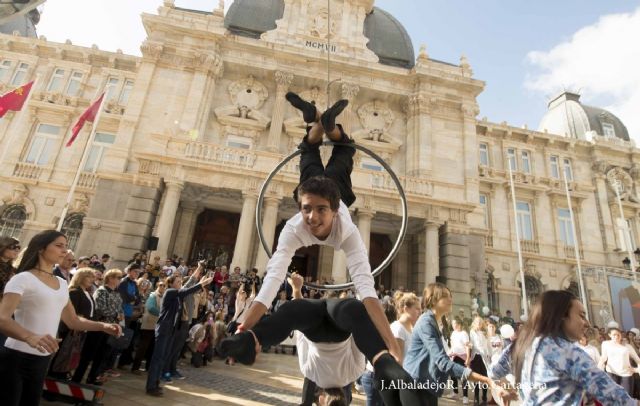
[[426, 360]]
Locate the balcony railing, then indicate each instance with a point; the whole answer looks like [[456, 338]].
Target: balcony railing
[[220, 154], [569, 252], [530, 246], [27, 171], [88, 180], [488, 241]]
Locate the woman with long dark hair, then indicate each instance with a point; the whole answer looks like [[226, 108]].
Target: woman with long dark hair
[[549, 368], [37, 300], [9, 249]]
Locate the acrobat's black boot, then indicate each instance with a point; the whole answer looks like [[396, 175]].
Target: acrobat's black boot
[[309, 111], [328, 118], [241, 347]]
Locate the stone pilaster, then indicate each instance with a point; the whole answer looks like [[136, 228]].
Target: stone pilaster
[[432, 252], [245, 232], [364, 225], [197, 106], [339, 267], [605, 217], [283, 80], [347, 118], [185, 229], [419, 136]]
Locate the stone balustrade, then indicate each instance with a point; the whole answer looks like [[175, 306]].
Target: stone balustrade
[[26, 170], [220, 154]]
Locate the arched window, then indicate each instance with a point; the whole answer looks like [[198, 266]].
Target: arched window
[[492, 294], [12, 220], [72, 227], [534, 289], [574, 289]]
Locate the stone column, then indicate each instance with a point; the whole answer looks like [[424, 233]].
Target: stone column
[[183, 236], [245, 232], [364, 225], [432, 252], [269, 221], [339, 268], [347, 119], [168, 216], [419, 136], [283, 80]]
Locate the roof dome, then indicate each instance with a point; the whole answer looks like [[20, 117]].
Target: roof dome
[[387, 37], [251, 18], [567, 116]]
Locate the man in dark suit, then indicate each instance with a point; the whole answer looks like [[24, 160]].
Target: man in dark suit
[[63, 269]]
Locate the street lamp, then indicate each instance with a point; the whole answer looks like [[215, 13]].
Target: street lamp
[[627, 263]]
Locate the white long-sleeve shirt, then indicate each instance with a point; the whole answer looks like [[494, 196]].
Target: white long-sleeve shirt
[[617, 357], [344, 236]]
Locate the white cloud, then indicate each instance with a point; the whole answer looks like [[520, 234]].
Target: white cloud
[[602, 61]]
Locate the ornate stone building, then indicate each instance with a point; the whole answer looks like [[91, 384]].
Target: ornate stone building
[[191, 129]]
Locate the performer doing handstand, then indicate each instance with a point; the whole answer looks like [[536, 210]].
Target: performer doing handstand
[[323, 219]]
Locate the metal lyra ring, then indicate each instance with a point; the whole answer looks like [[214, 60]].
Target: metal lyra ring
[[403, 226]]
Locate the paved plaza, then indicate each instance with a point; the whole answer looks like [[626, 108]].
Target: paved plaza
[[274, 379]]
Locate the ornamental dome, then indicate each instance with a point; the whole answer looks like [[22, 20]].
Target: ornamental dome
[[388, 39], [567, 116]]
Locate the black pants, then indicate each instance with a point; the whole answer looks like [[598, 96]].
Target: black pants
[[338, 168], [465, 389], [322, 321], [21, 377], [180, 336], [477, 366], [126, 357], [309, 389], [625, 381], [427, 398], [144, 351], [93, 344]]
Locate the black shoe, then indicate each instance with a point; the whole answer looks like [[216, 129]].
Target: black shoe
[[241, 347], [157, 392], [309, 111], [328, 118]]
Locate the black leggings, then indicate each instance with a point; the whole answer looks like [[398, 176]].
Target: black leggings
[[477, 366], [21, 377], [625, 381], [322, 321], [338, 168], [465, 387]]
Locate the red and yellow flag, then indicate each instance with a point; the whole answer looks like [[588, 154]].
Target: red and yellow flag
[[14, 100], [89, 115]]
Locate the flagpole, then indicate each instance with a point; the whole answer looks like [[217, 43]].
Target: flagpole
[[525, 305], [83, 160], [575, 245]]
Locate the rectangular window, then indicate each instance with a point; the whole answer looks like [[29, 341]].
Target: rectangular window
[[20, 75], [43, 144], [111, 88], [511, 156], [566, 232], [526, 162], [568, 173], [73, 87], [55, 85], [100, 143], [484, 154], [370, 164], [554, 166], [126, 91], [608, 130], [5, 67], [484, 202], [525, 225]]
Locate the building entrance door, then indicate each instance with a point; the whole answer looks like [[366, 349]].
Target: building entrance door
[[379, 247], [214, 238]]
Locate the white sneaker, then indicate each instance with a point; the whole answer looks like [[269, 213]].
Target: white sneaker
[[465, 400]]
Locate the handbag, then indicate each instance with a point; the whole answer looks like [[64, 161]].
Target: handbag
[[68, 356], [122, 342]]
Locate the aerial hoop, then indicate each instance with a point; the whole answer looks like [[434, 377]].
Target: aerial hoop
[[403, 226]]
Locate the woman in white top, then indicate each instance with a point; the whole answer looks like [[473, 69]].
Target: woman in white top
[[495, 341], [591, 351], [615, 360], [480, 354], [37, 300], [408, 306], [460, 352]]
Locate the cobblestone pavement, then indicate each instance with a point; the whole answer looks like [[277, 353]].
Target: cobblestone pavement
[[274, 379]]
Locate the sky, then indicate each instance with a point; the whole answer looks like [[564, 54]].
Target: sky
[[526, 52]]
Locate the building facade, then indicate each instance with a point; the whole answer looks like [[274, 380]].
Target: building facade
[[191, 129]]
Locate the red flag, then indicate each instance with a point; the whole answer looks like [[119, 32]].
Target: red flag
[[14, 100], [89, 115]]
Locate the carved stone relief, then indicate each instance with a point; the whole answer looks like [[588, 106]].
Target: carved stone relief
[[376, 118], [618, 178], [247, 94]]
